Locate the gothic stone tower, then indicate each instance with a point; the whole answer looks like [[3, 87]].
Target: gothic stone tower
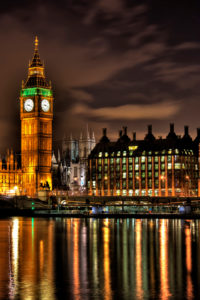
[[36, 113]]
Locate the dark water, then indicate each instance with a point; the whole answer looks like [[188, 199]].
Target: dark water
[[99, 259]]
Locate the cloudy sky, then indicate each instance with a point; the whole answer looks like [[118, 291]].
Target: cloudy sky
[[112, 63]]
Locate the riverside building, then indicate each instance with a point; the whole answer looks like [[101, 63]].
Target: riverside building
[[150, 167]]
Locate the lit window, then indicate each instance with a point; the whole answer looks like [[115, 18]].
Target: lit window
[[176, 151], [124, 160], [112, 160], [162, 166], [118, 192], [149, 166], [149, 158], [124, 192], [143, 159], [100, 154], [136, 167], [124, 167], [136, 159], [162, 158], [156, 166], [117, 160], [156, 159], [130, 160], [124, 175], [169, 166], [118, 153], [177, 165], [106, 154], [143, 166], [169, 151], [124, 153], [133, 148]]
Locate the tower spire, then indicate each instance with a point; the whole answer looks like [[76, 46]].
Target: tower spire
[[36, 62], [36, 74], [36, 43]]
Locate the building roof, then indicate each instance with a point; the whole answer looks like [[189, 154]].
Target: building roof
[[36, 76], [150, 145]]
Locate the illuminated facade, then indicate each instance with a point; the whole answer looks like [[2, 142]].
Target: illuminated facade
[[36, 114], [70, 167], [149, 167], [10, 174]]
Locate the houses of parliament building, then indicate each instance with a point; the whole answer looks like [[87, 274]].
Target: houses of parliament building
[[33, 172]]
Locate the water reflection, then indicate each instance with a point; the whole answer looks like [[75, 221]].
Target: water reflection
[[188, 262], [138, 259], [164, 264], [99, 259], [106, 259]]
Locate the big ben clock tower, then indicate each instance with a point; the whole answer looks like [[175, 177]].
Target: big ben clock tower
[[36, 113]]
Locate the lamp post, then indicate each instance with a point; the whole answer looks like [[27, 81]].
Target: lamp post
[[162, 178], [187, 181]]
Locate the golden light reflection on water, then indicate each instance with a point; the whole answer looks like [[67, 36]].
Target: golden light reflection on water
[[189, 287], [15, 253], [138, 259], [28, 264], [97, 259], [76, 273], [106, 261], [95, 253], [164, 264]]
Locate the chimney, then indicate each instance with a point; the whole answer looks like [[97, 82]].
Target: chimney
[[120, 133], [149, 129], [186, 128], [134, 136], [172, 127], [104, 131], [198, 131], [125, 130]]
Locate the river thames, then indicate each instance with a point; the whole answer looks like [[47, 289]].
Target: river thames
[[69, 258]]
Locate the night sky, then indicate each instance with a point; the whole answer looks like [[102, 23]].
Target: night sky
[[112, 63]]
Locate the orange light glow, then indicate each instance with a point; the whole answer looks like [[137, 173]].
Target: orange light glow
[[188, 263], [164, 290], [138, 233], [106, 240]]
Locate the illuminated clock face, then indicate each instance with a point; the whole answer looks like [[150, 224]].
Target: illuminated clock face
[[45, 105], [28, 105]]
